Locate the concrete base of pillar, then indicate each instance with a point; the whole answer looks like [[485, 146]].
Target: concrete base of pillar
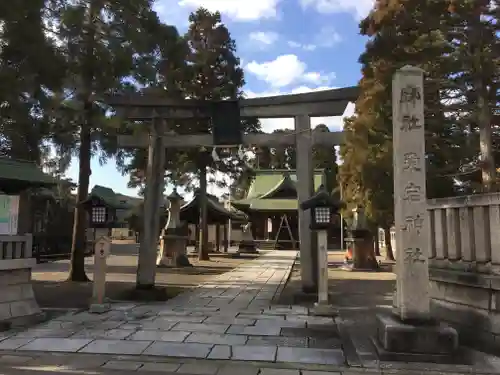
[[397, 340], [323, 309]]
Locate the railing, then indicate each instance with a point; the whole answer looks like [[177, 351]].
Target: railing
[[16, 252], [465, 230], [16, 247]]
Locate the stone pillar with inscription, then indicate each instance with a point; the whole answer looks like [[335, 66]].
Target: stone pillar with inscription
[[410, 333]]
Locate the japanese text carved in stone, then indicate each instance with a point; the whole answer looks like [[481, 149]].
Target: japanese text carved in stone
[[412, 192], [414, 255], [411, 162]]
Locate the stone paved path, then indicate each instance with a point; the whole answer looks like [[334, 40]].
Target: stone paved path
[[228, 318], [223, 327]]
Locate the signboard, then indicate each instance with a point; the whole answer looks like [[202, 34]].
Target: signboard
[[9, 214]]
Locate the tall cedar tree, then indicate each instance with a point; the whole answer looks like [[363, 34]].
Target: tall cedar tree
[[103, 41], [285, 157], [402, 32], [475, 38], [31, 68], [213, 73]]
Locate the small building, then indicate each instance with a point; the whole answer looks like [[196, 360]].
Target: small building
[[117, 207], [218, 217], [272, 207]]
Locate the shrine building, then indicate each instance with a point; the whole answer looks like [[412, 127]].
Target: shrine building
[[272, 207]]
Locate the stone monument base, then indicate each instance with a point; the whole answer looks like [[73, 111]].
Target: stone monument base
[[397, 340], [18, 305], [247, 247], [173, 251], [323, 309]]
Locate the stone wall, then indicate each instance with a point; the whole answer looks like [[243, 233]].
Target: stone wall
[[17, 300], [464, 261]]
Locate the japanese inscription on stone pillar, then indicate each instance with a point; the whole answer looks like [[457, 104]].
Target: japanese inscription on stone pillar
[[412, 233]]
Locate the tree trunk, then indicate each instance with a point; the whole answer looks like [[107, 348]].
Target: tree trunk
[[226, 239], [389, 255], [483, 114], [203, 237], [77, 268], [485, 139], [78, 245], [217, 238], [377, 244]]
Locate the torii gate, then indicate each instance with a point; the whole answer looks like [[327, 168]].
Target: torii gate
[[301, 107]]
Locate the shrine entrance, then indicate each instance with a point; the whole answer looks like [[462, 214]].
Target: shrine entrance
[[159, 110]]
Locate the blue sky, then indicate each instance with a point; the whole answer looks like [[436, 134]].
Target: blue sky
[[286, 46]]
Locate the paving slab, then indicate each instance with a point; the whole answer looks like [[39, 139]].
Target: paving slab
[[56, 345], [278, 371], [175, 336], [171, 349], [198, 369], [122, 365], [222, 319], [159, 367], [238, 370], [150, 325], [180, 318], [112, 334], [265, 323], [216, 338], [301, 342], [254, 330], [194, 327], [222, 352], [77, 362], [45, 332], [312, 356], [116, 347], [254, 353]]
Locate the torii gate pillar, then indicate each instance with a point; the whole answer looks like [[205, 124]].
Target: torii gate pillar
[[305, 189]]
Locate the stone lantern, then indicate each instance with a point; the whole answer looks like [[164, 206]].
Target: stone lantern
[[322, 206], [173, 242], [361, 242]]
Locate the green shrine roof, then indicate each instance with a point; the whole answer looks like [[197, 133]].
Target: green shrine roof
[[267, 183], [216, 212], [109, 197], [17, 175]]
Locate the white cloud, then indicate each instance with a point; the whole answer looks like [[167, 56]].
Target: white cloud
[[327, 37], [286, 70], [238, 10], [359, 8], [265, 38], [318, 78], [305, 47]]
